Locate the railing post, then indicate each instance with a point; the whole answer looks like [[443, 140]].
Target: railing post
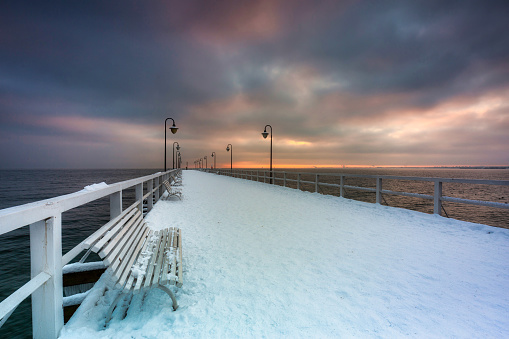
[[46, 255], [150, 199], [115, 204], [138, 189], [378, 190], [284, 179], [298, 181], [342, 186], [437, 195], [316, 183], [156, 193], [257, 175]]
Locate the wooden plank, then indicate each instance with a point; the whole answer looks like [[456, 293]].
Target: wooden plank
[[164, 268], [127, 253], [134, 221], [12, 301], [133, 256], [120, 251], [146, 245], [110, 252], [173, 268], [92, 239], [160, 255], [179, 263], [151, 266], [111, 233]]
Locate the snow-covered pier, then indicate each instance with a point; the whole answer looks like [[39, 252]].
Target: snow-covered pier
[[268, 261]]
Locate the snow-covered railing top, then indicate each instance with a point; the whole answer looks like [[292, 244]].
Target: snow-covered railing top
[[282, 178], [45, 221]]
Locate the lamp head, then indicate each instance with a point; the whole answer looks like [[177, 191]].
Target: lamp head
[[212, 155], [174, 128], [265, 134], [178, 147], [227, 148]]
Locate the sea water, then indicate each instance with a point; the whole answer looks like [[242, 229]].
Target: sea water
[[19, 187]]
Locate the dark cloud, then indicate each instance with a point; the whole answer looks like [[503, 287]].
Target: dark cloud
[[409, 46], [340, 75]]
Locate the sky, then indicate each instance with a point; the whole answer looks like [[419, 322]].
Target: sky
[[89, 84]]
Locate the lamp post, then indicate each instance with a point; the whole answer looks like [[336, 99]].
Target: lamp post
[[178, 148], [201, 162], [206, 164], [228, 148], [173, 129], [214, 156], [265, 134]]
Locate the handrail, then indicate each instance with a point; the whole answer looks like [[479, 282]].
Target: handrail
[[11, 302], [45, 220], [437, 196]]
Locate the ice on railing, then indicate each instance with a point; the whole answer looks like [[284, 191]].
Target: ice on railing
[[82, 267], [75, 299], [95, 187]]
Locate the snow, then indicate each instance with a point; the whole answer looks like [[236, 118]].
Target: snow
[[267, 261], [82, 267], [95, 187], [75, 299]]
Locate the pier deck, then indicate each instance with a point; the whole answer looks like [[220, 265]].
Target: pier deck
[[268, 261]]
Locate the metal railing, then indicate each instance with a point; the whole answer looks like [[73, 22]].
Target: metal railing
[[280, 177], [45, 221]]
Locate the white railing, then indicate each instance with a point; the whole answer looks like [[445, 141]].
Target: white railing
[[282, 177], [45, 221]]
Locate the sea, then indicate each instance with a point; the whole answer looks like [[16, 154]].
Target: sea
[[19, 187]]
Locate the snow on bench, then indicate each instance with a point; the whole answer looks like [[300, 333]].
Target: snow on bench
[[138, 258]]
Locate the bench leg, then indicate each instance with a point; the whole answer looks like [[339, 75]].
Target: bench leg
[[172, 296], [112, 307]]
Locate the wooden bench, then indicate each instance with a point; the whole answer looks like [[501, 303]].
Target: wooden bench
[[176, 179], [171, 191], [137, 257]]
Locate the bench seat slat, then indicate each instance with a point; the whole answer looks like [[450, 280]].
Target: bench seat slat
[[160, 255], [126, 255], [110, 233], [112, 243], [119, 261], [113, 233], [179, 263], [139, 280], [133, 256], [173, 267], [151, 266], [164, 277], [118, 243]]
